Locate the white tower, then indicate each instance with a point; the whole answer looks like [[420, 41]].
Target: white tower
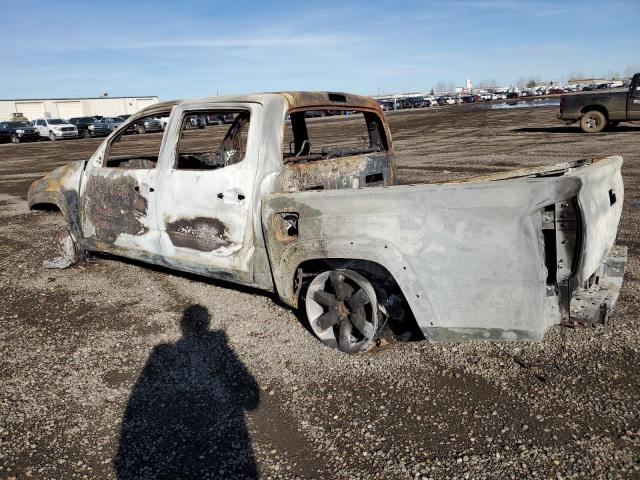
[[469, 86]]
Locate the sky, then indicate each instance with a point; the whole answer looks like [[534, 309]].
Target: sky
[[182, 49]]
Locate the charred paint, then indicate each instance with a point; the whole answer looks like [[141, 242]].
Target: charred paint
[[114, 206], [335, 173], [200, 233]]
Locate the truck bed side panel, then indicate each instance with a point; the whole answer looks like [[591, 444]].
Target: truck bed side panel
[[469, 257]]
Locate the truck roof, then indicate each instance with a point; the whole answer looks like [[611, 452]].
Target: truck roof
[[296, 100]]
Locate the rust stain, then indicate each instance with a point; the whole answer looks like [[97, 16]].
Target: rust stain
[[200, 233], [304, 100], [114, 207]]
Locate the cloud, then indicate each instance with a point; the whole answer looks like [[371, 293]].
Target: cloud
[[248, 41]]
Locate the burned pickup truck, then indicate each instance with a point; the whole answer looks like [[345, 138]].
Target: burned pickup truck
[[293, 202], [602, 109]]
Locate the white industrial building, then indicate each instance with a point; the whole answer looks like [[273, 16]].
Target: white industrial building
[[74, 107]]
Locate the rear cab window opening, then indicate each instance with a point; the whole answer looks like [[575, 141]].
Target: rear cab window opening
[[320, 134], [336, 148]]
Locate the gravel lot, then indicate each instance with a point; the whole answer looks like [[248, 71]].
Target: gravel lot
[[115, 369]]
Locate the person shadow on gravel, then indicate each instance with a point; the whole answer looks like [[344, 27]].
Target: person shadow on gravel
[[185, 416]]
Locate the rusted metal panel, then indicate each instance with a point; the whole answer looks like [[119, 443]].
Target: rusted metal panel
[[322, 100]]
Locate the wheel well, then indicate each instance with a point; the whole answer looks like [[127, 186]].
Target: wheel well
[[599, 108], [47, 207], [401, 321]]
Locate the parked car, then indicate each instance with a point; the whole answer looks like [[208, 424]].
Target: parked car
[[194, 121], [386, 104], [163, 121], [54, 128], [113, 123], [124, 116], [214, 119], [147, 125], [89, 127], [598, 110], [16, 132], [501, 257]]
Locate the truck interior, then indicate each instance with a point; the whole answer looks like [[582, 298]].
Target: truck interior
[[334, 149], [212, 147], [320, 135]]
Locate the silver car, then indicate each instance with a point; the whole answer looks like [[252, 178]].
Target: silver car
[[148, 125], [113, 122]]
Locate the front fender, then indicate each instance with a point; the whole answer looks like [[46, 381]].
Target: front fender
[[60, 188]]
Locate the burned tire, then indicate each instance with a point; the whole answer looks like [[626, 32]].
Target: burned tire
[[15, 138], [593, 122], [342, 310]]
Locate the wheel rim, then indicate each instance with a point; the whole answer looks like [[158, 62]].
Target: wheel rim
[[342, 310], [14, 139], [592, 122]]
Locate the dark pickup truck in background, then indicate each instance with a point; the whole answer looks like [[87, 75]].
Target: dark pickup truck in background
[[17, 132], [601, 109]]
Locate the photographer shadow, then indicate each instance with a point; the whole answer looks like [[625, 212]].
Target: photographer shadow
[[185, 418]]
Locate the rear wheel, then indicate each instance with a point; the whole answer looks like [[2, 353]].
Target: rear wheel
[[87, 133], [593, 122], [52, 136], [15, 138], [342, 310]]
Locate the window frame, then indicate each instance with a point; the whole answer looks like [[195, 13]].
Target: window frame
[[206, 110], [382, 128], [120, 132]]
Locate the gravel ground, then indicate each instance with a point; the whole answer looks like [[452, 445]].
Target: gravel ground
[[115, 369]]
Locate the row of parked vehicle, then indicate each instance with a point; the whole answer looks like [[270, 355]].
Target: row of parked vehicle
[[551, 89], [432, 101], [17, 131]]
